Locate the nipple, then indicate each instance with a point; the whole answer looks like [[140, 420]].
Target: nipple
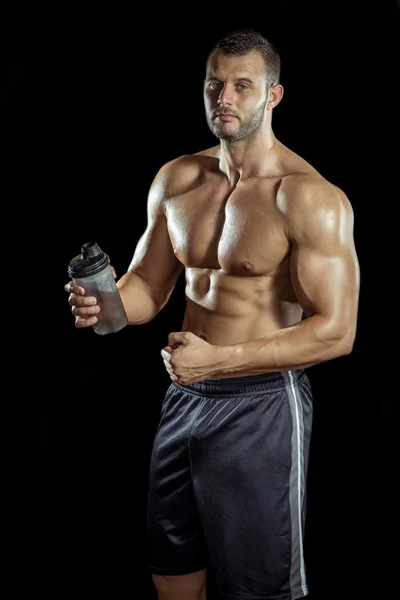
[[248, 265]]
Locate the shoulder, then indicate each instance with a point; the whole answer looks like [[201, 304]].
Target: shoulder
[[308, 190], [303, 190], [313, 205], [184, 172]]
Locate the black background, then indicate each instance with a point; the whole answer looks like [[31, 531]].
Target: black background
[[93, 103]]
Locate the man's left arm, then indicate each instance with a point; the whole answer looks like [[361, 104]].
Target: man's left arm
[[325, 277]]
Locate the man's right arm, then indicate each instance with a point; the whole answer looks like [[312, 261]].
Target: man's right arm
[[154, 268]]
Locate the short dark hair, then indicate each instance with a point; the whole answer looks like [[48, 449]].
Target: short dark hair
[[244, 40]]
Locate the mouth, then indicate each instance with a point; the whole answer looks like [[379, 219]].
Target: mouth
[[225, 117]]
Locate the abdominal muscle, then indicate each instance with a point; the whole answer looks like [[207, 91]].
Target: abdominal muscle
[[224, 309]]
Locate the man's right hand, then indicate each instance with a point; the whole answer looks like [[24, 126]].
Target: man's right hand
[[84, 308]]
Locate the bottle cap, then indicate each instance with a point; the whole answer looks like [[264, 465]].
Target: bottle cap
[[92, 260]]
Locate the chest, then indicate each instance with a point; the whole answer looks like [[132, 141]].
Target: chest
[[240, 231]]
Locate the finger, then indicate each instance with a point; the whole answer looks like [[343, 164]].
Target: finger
[[176, 337], [113, 272], [72, 288], [168, 366], [76, 300], [86, 311], [82, 323], [166, 353]]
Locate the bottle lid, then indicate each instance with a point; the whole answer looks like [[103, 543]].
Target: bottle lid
[[92, 260]]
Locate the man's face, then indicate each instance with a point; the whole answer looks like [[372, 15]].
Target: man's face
[[235, 94]]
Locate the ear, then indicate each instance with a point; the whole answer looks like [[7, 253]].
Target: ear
[[275, 94]]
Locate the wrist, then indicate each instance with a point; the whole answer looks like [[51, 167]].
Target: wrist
[[228, 360]]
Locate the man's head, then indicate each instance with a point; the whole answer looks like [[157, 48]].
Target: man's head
[[241, 84]]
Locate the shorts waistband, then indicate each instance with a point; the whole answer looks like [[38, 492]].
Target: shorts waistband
[[249, 384]]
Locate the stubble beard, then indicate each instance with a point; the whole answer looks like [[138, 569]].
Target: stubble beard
[[238, 129]]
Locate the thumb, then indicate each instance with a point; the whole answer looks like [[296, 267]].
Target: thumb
[[177, 338]]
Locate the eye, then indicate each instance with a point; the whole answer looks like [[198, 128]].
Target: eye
[[242, 86], [213, 85]]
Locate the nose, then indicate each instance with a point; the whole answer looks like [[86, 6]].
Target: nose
[[225, 96]]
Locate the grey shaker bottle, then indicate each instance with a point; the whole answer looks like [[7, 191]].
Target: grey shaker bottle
[[91, 270]]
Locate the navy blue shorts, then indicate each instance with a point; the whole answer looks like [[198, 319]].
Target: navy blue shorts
[[227, 484]]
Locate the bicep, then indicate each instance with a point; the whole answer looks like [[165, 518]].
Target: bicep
[[324, 265], [154, 259]]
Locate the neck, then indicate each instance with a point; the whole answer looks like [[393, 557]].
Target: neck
[[248, 157]]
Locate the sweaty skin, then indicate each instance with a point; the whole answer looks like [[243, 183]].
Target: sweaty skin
[[261, 236]]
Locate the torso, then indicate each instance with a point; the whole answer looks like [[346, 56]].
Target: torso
[[233, 243]]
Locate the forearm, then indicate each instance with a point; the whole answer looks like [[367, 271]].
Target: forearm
[[141, 303], [302, 345]]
